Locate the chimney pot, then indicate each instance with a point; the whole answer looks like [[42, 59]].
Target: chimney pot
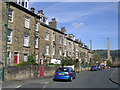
[[33, 9], [40, 12], [53, 19]]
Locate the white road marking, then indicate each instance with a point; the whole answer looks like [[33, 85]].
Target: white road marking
[[19, 86]]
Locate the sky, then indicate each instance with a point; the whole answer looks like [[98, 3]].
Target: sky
[[94, 21]]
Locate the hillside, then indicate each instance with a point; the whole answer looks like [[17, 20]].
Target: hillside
[[103, 53]]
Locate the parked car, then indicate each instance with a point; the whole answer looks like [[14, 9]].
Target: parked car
[[100, 67], [94, 68], [64, 73], [103, 66]]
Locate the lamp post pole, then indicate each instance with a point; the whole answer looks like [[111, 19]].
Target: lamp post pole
[[6, 39]]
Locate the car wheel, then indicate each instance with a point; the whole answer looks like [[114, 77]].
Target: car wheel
[[71, 78], [74, 77]]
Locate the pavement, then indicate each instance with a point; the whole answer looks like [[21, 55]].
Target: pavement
[[114, 76], [31, 83]]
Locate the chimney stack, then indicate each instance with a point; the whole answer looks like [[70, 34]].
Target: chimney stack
[[63, 30], [53, 23], [33, 10], [40, 12]]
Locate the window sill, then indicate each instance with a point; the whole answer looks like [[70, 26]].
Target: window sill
[[47, 39], [37, 31], [9, 43], [27, 28], [47, 54], [26, 46]]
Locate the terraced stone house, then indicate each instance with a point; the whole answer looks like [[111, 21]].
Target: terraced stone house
[[29, 33]]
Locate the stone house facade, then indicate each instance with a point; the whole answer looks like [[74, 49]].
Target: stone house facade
[[29, 33]]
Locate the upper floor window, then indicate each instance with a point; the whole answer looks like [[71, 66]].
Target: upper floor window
[[27, 22], [53, 36], [36, 26], [9, 36], [60, 38], [53, 49], [10, 15], [47, 35], [47, 49], [64, 41], [26, 40], [36, 42], [60, 51]]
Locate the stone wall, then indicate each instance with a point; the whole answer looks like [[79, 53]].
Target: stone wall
[[19, 73]]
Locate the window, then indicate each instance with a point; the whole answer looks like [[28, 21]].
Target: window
[[10, 15], [36, 42], [26, 40], [60, 37], [60, 51], [53, 50], [9, 36], [27, 22], [64, 41], [36, 27], [47, 49], [47, 36], [9, 58], [65, 53], [36, 57], [25, 57], [53, 36]]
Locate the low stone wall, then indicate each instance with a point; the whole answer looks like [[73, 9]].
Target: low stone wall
[[19, 73], [49, 71]]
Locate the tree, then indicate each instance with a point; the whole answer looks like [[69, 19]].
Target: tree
[[97, 57], [31, 60], [67, 61], [109, 63]]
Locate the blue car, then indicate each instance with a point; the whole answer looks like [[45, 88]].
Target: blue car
[[64, 73], [94, 68]]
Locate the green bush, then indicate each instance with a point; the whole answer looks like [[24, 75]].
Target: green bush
[[109, 63], [67, 62]]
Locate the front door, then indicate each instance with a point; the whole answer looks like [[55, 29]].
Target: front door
[[16, 58]]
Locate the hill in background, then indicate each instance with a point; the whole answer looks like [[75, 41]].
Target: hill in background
[[103, 54]]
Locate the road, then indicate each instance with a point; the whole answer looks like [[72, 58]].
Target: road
[[86, 79], [89, 79]]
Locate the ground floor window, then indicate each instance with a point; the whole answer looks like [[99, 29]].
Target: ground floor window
[[25, 57], [9, 58]]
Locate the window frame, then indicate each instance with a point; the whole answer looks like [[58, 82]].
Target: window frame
[[27, 41], [47, 35], [47, 50], [9, 36], [36, 43], [11, 16], [27, 22]]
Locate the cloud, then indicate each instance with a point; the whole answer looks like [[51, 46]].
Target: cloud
[[77, 25], [63, 15]]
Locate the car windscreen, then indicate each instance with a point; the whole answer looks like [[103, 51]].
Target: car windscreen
[[62, 70]]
